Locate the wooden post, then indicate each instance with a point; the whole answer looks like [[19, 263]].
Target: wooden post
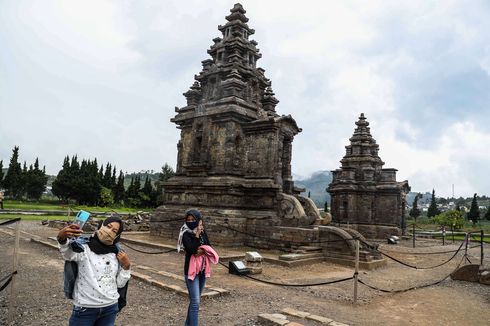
[[356, 273], [466, 237], [413, 235], [13, 292], [443, 235], [481, 247]]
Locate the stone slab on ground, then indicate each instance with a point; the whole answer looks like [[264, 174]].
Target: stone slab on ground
[[306, 315], [293, 257], [485, 277], [295, 313], [322, 320], [467, 273], [273, 319]]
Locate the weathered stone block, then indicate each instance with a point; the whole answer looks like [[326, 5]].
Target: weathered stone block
[[466, 273]]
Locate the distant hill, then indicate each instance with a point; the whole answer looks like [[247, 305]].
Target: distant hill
[[316, 185]]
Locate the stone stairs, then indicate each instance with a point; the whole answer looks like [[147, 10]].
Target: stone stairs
[[303, 255]]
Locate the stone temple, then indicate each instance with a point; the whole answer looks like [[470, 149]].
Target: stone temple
[[234, 153], [365, 196]]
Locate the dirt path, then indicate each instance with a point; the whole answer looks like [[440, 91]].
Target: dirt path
[[41, 300]]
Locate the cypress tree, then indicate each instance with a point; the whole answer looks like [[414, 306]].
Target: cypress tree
[[147, 192], [13, 179], [119, 192], [433, 210], [1, 174], [130, 191], [113, 178], [167, 173], [25, 178], [74, 178], [415, 211], [101, 172], [474, 213], [36, 181], [106, 181], [487, 214], [325, 209], [60, 187]]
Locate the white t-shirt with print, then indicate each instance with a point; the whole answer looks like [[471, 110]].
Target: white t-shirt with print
[[98, 278]]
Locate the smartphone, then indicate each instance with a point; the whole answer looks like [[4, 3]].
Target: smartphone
[[81, 217]]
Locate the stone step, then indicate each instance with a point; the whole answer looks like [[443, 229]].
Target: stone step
[[293, 317], [292, 257], [310, 248], [307, 316]]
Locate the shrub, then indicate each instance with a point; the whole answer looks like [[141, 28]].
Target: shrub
[[450, 218]]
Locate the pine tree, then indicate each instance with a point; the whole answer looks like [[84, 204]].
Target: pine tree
[[1, 174], [113, 178], [60, 186], [415, 211], [130, 193], [474, 213], [433, 210], [13, 179], [36, 181], [147, 193], [101, 173], [487, 214], [326, 207], [119, 191], [167, 173], [106, 181]]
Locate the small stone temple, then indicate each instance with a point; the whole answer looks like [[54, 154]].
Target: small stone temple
[[234, 153], [365, 196]]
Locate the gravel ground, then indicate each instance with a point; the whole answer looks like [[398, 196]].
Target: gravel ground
[[41, 301]]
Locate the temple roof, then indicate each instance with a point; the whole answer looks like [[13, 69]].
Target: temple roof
[[363, 149], [232, 71]]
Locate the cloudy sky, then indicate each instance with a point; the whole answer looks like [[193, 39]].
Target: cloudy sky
[[101, 79]]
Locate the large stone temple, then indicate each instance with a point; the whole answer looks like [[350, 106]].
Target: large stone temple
[[365, 196], [234, 153]]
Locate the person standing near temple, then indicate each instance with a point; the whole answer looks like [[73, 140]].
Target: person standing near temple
[[102, 269], [198, 257]]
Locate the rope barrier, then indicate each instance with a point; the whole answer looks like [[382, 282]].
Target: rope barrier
[[288, 241], [416, 267], [148, 252], [429, 253], [7, 279], [10, 221], [294, 285], [410, 288]]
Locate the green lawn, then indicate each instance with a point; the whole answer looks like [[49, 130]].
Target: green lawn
[[449, 237], [35, 217], [426, 224], [53, 205]]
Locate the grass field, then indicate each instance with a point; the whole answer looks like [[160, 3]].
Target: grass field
[[36, 217], [468, 227], [41, 217], [53, 205]]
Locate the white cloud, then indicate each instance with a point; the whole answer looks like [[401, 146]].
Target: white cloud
[[101, 78]]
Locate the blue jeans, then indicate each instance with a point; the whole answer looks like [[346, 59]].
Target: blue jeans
[[195, 288], [94, 316]]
